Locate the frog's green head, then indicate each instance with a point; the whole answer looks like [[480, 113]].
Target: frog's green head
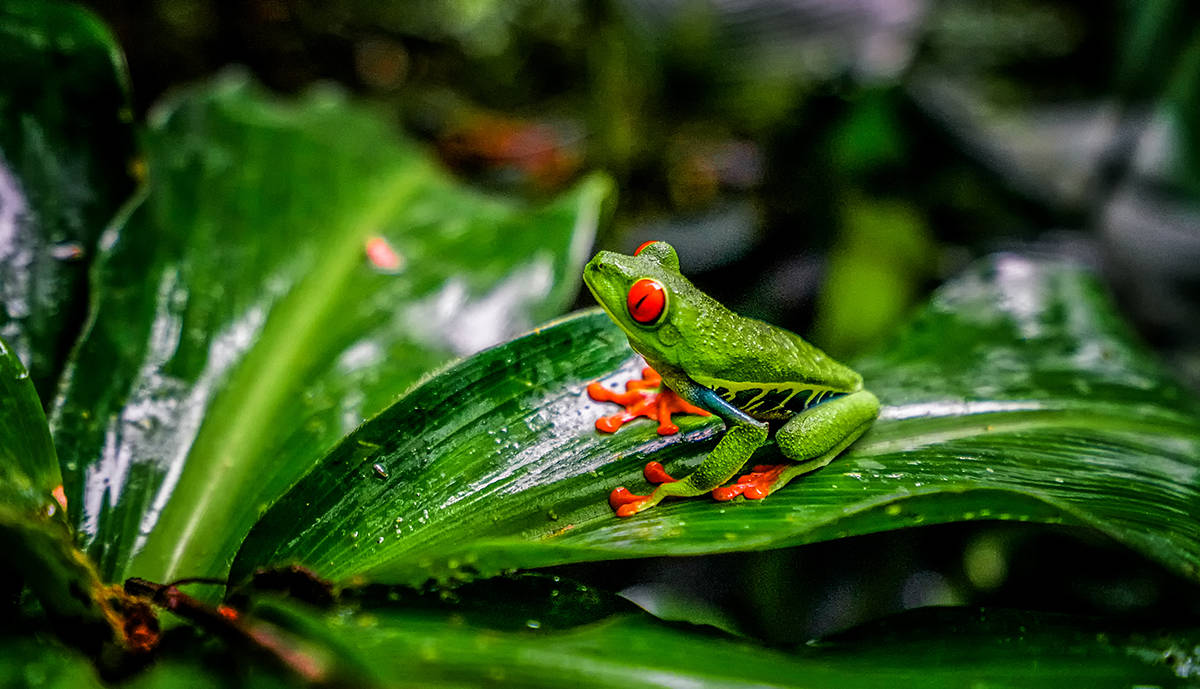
[[646, 295]]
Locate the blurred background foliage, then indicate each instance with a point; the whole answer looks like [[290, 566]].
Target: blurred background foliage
[[820, 164]]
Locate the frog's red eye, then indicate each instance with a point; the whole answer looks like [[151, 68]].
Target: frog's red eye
[[643, 245], [647, 298]]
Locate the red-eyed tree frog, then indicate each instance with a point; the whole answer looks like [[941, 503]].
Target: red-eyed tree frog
[[754, 376]]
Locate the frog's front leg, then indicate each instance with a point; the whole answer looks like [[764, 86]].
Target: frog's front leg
[[742, 437], [812, 439]]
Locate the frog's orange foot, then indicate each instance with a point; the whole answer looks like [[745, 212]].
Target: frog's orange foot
[[753, 486], [656, 474], [625, 503], [646, 397]]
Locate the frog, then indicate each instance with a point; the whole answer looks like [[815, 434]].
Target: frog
[[760, 380]]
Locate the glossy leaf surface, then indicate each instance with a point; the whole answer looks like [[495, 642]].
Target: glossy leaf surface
[[290, 270], [27, 462], [66, 148], [563, 635], [1017, 394], [37, 547]]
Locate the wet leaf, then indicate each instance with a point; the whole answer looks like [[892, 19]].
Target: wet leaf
[[1017, 394], [291, 268], [28, 465], [65, 150], [503, 635]]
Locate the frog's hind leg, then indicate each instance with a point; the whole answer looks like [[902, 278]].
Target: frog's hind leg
[[721, 464], [813, 438], [742, 437]]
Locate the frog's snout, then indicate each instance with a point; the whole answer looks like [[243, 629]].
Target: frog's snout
[[601, 259], [590, 275], [597, 267]]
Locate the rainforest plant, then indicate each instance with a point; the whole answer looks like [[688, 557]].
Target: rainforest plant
[[282, 403]]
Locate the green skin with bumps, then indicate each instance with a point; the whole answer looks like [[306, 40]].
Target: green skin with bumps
[[752, 375]]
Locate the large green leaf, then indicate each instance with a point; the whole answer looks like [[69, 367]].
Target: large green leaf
[[1017, 394], [290, 270], [66, 146], [558, 634]]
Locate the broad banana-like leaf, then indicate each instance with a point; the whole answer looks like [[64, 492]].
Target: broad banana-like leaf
[[1016, 394]]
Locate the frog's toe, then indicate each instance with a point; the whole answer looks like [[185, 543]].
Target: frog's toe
[[753, 486], [626, 503], [647, 397], [656, 474]]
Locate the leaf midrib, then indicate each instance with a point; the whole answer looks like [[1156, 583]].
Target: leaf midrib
[[218, 465]]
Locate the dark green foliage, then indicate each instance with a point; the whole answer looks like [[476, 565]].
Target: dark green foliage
[[66, 161], [281, 362]]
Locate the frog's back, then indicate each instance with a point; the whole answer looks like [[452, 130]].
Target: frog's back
[[766, 371]]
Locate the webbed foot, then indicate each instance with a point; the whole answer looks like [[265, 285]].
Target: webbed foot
[[753, 486], [646, 397]]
